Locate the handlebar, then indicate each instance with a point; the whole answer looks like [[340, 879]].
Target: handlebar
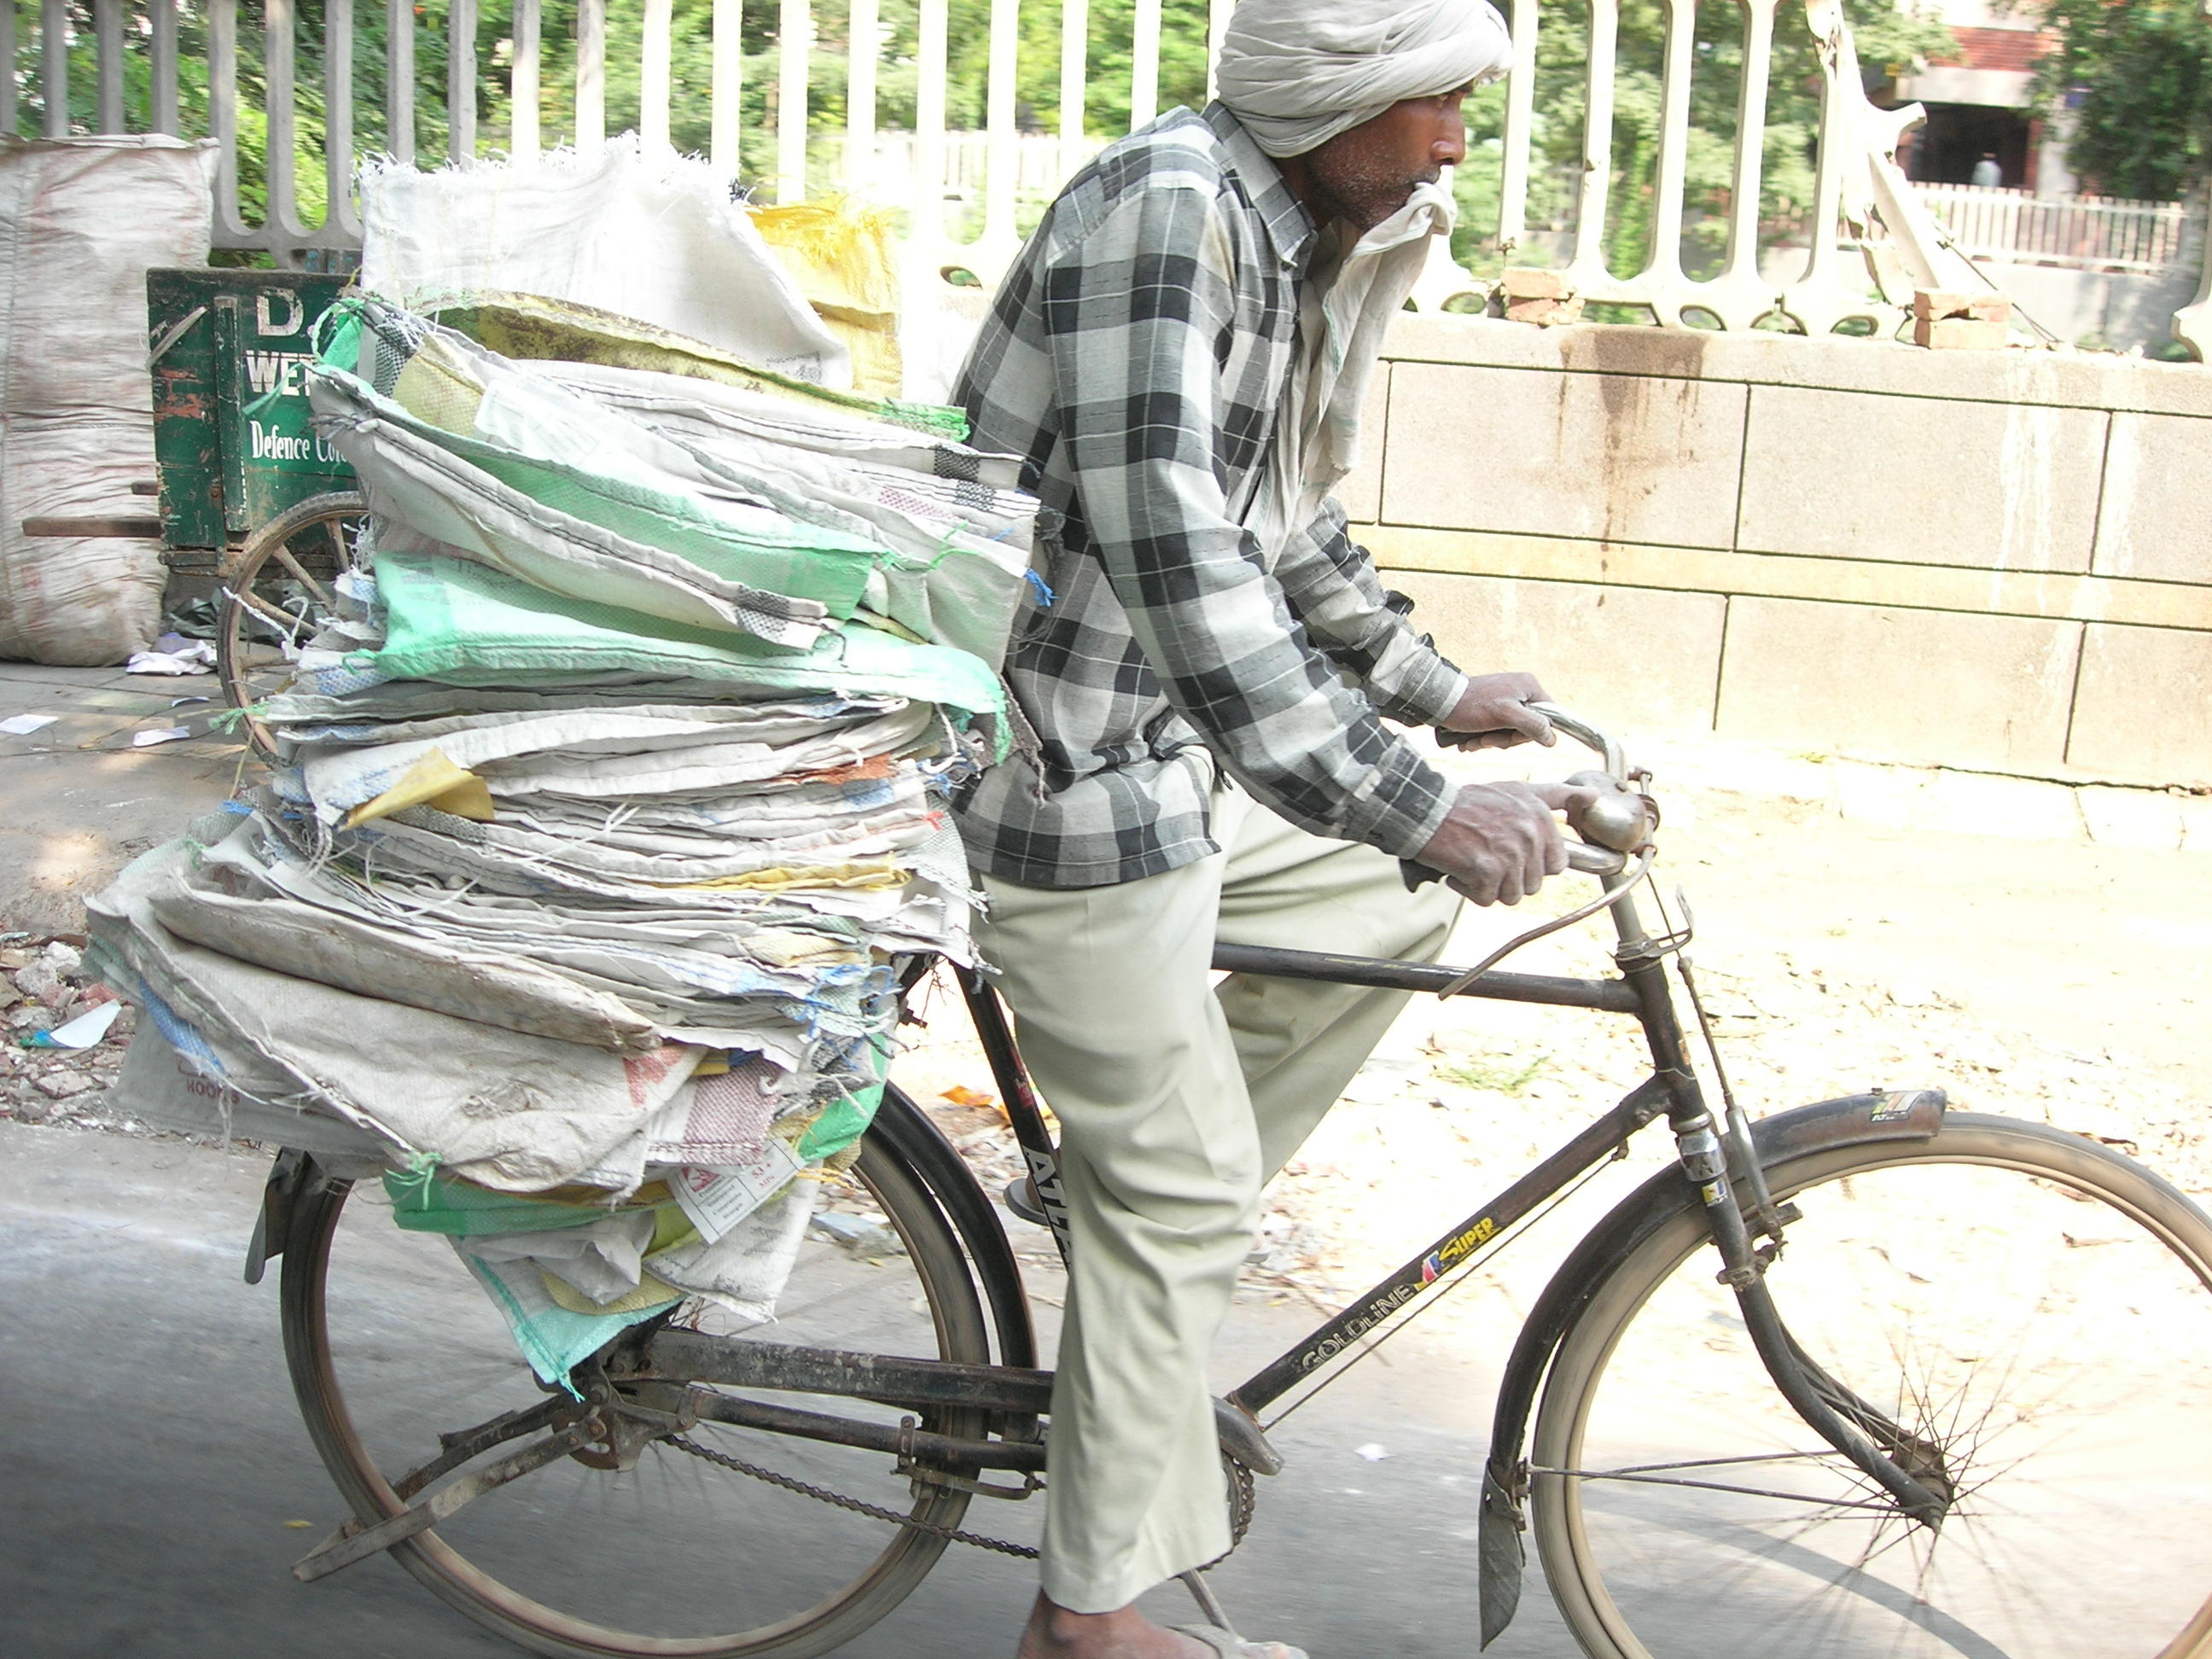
[[1611, 833], [1616, 759]]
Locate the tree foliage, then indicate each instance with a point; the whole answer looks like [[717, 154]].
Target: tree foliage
[[1886, 34], [2134, 81]]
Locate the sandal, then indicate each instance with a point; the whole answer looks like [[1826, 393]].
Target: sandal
[[1229, 1645]]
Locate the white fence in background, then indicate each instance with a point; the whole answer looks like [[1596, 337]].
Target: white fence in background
[[2085, 233], [932, 167]]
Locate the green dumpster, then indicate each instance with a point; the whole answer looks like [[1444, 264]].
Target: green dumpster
[[232, 440]]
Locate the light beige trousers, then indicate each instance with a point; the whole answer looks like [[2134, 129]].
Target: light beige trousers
[[1176, 1103]]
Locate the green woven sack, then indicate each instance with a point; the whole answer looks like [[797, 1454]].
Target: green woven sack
[[452, 620], [430, 1203]]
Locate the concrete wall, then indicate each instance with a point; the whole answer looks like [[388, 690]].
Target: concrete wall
[[1995, 560]]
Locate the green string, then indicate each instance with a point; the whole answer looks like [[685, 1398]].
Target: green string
[[421, 1173]]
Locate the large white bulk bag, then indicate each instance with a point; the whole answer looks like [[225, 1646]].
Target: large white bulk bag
[[82, 220], [643, 233]]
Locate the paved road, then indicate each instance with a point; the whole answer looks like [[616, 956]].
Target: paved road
[[152, 1456]]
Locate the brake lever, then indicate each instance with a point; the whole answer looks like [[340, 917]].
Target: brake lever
[[1581, 855]]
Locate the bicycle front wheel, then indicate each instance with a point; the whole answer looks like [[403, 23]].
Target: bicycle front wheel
[[2033, 1307], [395, 1352]]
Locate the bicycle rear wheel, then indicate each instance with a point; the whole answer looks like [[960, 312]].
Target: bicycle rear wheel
[[2036, 1307], [392, 1345]]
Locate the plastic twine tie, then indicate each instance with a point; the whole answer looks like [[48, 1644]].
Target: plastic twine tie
[[422, 1170]]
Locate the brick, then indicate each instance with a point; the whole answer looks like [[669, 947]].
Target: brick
[[1938, 688], [1548, 314], [1526, 282], [1929, 304], [1604, 457], [1630, 658], [1851, 475], [2092, 380], [2139, 713], [1961, 334]]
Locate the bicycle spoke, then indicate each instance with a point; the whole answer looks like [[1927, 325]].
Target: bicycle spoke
[[277, 615], [284, 556], [1715, 1485]]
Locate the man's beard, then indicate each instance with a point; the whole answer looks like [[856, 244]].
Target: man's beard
[[1361, 191]]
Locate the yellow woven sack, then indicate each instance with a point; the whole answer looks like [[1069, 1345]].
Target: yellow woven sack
[[840, 254]]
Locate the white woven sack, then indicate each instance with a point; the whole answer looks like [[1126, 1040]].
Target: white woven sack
[[81, 221], [644, 233], [80, 601], [510, 1110]]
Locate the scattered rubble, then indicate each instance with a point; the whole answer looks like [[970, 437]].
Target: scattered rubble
[[43, 986]]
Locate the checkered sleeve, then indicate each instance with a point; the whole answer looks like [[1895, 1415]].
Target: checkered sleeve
[[1331, 586], [1134, 306]]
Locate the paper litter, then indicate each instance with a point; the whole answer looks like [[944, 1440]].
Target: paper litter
[[179, 657], [82, 1032], [608, 805]]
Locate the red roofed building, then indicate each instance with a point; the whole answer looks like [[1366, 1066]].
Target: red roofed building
[[1980, 101]]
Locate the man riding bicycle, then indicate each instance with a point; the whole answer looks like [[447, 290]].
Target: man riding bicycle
[[1180, 354]]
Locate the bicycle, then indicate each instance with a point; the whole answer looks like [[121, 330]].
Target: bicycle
[[1960, 1441]]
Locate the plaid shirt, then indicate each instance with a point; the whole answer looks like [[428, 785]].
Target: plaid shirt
[[1135, 357]]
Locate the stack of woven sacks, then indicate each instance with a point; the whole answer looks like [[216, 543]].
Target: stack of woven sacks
[[605, 812]]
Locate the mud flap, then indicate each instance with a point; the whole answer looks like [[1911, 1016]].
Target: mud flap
[[1503, 1557], [286, 1177]]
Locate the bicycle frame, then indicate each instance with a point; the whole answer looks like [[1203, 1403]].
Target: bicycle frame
[[1725, 1173]]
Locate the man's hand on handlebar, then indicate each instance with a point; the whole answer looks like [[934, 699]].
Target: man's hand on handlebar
[[1501, 839], [1493, 712]]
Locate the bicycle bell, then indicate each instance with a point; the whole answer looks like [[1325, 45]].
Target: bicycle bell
[[1620, 818]]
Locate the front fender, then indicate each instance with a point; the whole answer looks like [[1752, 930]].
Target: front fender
[[1847, 1121]]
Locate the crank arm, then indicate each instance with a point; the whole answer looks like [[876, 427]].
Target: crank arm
[[349, 1545], [466, 1445]]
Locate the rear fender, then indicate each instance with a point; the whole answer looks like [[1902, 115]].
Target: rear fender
[[1849, 1121], [907, 1129]]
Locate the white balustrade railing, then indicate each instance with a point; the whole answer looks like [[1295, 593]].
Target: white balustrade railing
[[2086, 233], [965, 193]]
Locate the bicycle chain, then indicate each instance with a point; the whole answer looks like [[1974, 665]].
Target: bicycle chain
[[874, 1511], [1243, 1500]]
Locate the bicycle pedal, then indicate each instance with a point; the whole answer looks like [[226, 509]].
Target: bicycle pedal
[[1022, 1200]]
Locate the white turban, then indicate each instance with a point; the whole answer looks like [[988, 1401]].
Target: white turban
[[1298, 72]]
